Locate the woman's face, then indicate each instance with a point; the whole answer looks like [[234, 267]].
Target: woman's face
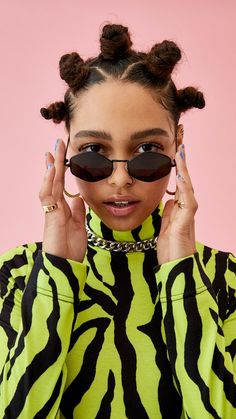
[[114, 111]]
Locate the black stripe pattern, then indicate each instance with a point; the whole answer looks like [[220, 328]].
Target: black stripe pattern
[[118, 336]]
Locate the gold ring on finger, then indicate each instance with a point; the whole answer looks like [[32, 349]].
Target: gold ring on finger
[[49, 207], [181, 204]]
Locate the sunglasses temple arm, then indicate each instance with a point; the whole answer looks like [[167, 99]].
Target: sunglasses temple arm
[[66, 161], [176, 149]]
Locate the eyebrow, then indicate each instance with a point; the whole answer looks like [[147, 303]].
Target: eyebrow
[[135, 136], [148, 133]]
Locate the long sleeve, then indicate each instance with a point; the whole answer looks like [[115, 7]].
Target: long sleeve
[[198, 300], [38, 305]]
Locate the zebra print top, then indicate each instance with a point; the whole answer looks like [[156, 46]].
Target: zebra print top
[[117, 336]]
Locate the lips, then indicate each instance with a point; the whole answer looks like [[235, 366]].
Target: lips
[[121, 205]]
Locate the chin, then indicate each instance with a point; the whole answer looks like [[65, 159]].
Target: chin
[[123, 223]]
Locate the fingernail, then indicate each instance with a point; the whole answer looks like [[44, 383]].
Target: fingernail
[[182, 152], [180, 177], [50, 165], [57, 143]]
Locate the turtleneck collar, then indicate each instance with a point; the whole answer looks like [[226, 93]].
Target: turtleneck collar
[[148, 229]]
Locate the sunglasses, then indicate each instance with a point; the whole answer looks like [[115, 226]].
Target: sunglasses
[[147, 167]]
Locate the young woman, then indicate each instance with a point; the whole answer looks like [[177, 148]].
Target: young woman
[[119, 313]]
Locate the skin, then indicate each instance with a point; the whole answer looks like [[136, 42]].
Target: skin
[[119, 109]]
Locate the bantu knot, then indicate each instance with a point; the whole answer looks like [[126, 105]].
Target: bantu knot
[[162, 58], [56, 111], [73, 70], [115, 42], [190, 98]]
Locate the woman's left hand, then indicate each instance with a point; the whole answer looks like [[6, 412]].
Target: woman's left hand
[[177, 235]]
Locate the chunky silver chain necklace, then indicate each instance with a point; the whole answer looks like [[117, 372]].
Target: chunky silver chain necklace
[[123, 246]]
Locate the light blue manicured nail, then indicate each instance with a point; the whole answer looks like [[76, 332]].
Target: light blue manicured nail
[[182, 154], [57, 143], [50, 165]]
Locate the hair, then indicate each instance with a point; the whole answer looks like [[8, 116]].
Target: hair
[[118, 61]]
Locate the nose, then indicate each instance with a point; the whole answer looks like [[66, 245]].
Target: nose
[[120, 176]]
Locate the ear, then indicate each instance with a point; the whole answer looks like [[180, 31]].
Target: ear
[[180, 134]]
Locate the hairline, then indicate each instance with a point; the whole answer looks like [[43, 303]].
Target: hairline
[[154, 91]]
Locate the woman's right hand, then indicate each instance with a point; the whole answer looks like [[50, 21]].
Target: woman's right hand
[[64, 228]]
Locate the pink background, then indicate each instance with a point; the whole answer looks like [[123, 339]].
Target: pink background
[[34, 35]]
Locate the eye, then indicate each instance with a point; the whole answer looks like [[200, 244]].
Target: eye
[[149, 147], [91, 147]]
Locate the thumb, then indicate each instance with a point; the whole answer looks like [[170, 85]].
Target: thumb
[[78, 210], [165, 219]]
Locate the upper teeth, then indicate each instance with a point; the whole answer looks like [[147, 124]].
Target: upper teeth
[[121, 202]]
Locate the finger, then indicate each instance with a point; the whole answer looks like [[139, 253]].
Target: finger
[[48, 159], [176, 194], [45, 194], [181, 165], [184, 184], [186, 199], [59, 179]]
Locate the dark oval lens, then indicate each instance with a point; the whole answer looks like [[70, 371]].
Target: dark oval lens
[[149, 166], [90, 166]]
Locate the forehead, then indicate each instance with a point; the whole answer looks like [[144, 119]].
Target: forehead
[[119, 107]]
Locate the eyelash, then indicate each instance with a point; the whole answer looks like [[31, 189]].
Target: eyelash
[[84, 148], [155, 145], [96, 145]]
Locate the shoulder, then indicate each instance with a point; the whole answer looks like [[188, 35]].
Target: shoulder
[[216, 259], [15, 267], [17, 261], [220, 267]]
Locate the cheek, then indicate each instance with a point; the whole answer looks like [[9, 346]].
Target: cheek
[[158, 188], [164, 182], [88, 190], [81, 186], [157, 191]]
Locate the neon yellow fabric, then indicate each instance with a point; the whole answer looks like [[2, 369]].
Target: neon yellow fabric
[[117, 336]]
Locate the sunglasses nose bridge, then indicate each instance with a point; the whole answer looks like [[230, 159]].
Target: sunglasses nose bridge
[[119, 166], [117, 174], [120, 161]]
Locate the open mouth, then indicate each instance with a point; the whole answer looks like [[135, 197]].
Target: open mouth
[[121, 204]]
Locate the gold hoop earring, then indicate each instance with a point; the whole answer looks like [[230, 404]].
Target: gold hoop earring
[[170, 193], [70, 195]]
